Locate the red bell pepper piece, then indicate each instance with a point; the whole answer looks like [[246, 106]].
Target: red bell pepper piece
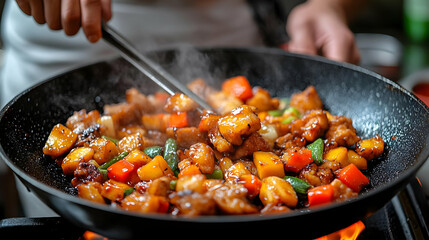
[[297, 160], [178, 120], [238, 87], [353, 177], [121, 171], [320, 195]]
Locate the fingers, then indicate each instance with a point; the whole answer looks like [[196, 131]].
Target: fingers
[[91, 19], [302, 40], [301, 32], [106, 9], [37, 11], [70, 16], [52, 13], [341, 47], [25, 6]]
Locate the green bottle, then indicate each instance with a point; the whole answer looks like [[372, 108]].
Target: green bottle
[[416, 19]]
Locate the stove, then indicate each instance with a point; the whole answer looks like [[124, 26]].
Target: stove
[[406, 216]]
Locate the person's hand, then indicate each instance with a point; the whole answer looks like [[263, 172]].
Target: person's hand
[[318, 27], [70, 15]]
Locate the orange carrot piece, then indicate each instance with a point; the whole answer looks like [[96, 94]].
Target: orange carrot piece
[[178, 120], [189, 171], [238, 87], [251, 183]]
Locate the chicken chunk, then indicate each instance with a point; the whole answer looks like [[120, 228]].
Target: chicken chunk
[[142, 102], [251, 144], [306, 100], [311, 126], [191, 203], [242, 121], [231, 199], [316, 176], [202, 155], [341, 132], [179, 102]]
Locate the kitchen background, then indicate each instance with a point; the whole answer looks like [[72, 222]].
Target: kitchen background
[[393, 36]]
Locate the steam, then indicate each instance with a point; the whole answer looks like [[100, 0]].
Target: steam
[[190, 63]]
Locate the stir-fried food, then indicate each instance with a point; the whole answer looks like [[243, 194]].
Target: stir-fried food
[[257, 154]]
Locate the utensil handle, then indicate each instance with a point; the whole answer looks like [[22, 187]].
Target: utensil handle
[[39, 228], [149, 68]]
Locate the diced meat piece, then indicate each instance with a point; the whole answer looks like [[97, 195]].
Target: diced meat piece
[[86, 173], [82, 120], [143, 103], [104, 150], [306, 100], [231, 199], [123, 113], [179, 102], [191, 203], [274, 208], [187, 136], [145, 203], [218, 141], [341, 132], [90, 191], [193, 183], [202, 155], [289, 141], [76, 121], [86, 136], [199, 87], [209, 123], [251, 144], [262, 100], [130, 129], [311, 126], [275, 190], [154, 138], [159, 187], [131, 142], [341, 191], [223, 103], [114, 190], [242, 121], [316, 176]]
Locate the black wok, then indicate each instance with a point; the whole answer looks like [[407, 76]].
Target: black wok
[[375, 104]]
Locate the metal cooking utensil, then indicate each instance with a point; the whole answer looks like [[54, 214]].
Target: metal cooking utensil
[[149, 68]]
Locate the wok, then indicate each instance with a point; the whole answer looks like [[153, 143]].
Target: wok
[[375, 104]]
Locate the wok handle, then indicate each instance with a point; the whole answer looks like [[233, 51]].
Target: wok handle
[[39, 228]]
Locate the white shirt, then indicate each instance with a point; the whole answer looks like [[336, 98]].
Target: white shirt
[[33, 52]]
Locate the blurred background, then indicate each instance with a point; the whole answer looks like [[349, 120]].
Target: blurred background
[[392, 35]]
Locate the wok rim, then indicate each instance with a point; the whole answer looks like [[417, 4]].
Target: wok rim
[[399, 181]]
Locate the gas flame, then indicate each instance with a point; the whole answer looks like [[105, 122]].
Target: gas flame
[[349, 233], [88, 235]]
